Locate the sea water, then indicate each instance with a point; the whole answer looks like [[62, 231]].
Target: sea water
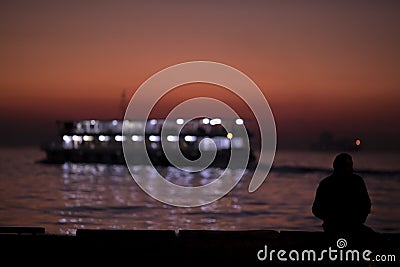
[[66, 197]]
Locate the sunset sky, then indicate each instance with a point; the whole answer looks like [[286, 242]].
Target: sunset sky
[[323, 66]]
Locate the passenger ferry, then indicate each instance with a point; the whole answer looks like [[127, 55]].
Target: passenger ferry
[[100, 141]]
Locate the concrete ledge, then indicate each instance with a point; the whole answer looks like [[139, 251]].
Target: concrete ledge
[[185, 247], [21, 230]]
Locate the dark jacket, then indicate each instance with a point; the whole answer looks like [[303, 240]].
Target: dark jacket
[[342, 202]]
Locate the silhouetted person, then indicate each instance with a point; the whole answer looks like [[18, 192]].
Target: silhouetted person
[[342, 200]]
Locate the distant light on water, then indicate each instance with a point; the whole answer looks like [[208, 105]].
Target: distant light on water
[[358, 142]]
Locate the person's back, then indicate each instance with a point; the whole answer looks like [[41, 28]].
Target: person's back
[[342, 199]]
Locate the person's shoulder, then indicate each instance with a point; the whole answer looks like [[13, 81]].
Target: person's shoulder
[[326, 180], [358, 178]]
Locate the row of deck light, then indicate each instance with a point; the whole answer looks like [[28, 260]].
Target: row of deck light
[[180, 121], [135, 138], [215, 121], [77, 138], [120, 138]]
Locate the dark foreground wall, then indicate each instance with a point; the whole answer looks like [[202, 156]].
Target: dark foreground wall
[[34, 247]]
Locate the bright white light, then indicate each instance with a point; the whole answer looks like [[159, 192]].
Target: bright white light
[[153, 122], [92, 122], [103, 138], [87, 138], [239, 121], [119, 138], [180, 121], [154, 138], [215, 121], [172, 138], [206, 121], [114, 122], [67, 138], [190, 138], [137, 138], [76, 138]]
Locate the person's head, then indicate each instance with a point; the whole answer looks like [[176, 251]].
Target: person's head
[[343, 163]]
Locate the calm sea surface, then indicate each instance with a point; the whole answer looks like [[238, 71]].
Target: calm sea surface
[[63, 198]]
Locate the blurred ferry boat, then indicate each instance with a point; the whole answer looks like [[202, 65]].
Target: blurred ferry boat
[[100, 141]]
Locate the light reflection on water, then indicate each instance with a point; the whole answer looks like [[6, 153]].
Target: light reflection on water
[[87, 188], [62, 198]]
